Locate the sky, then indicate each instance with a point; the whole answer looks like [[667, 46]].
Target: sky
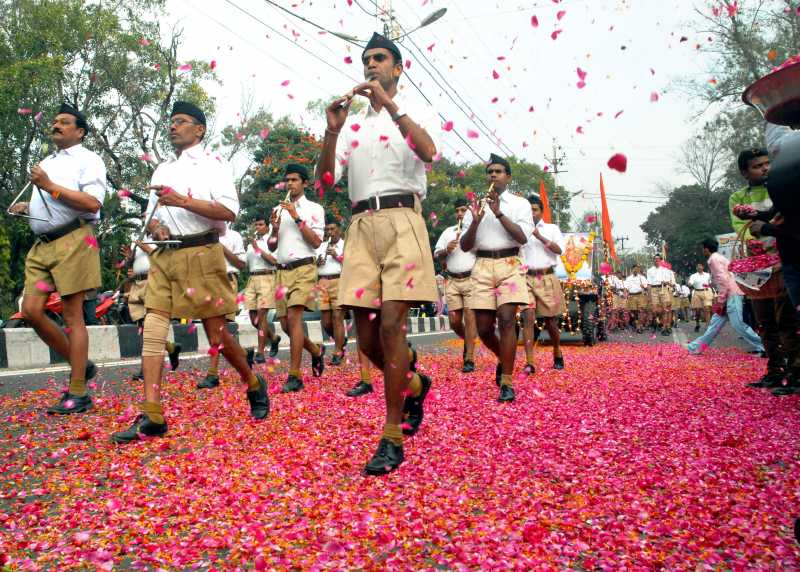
[[511, 71]]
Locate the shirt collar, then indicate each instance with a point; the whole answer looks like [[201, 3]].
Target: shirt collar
[[398, 98], [194, 152], [70, 150]]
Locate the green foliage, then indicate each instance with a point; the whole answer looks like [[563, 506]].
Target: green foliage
[[114, 63], [690, 215]]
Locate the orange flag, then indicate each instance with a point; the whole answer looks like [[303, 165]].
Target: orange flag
[[606, 219], [547, 215]]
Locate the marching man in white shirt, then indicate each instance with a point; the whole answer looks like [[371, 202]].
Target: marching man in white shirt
[[259, 294], [661, 280], [297, 227], [193, 196], [544, 288], [638, 303], [702, 295], [233, 249], [71, 187], [459, 285], [329, 269], [497, 230], [388, 264]]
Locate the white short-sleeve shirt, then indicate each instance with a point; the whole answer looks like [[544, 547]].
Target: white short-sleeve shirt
[[457, 261], [77, 169], [232, 240], [256, 262], [203, 175], [537, 255], [291, 244], [491, 235], [333, 264], [377, 158]]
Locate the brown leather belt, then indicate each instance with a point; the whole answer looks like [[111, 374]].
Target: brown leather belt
[[296, 263], [60, 232], [192, 240], [503, 253], [540, 271], [330, 277], [387, 202], [459, 275], [261, 272], [138, 277], [233, 276]]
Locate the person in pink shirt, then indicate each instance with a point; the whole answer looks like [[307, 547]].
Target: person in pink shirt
[[727, 306]]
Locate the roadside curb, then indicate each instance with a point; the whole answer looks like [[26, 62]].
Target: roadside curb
[[21, 348]]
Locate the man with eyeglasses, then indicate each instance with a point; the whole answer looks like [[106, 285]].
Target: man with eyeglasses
[[497, 227], [329, 269], [193, 196], [297, 226], [387, 264], [65, 257]]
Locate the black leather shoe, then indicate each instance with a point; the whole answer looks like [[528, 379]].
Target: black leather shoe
[[138, 376], [558, 362], [274, 345], [336, 359], [259, 358], [142, 427], [251, 354], [768, 381], [318, 362], [529, 369], [412, 408], [468, 367], [412, 365], [697, 327], [386, 459], [91, 370], [506, 394], [665, 332], [498, 371], [174, 356], [210, 382], [788, 389], [259, 400], [69, 404], [292, 384], [360, 389]]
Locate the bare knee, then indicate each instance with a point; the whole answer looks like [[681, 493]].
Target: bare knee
[[32, 309]]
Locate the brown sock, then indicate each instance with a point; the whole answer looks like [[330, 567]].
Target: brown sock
[[410, 355], [529, 353], [170, 347], [470, 355], [415, 385], [213, 370], [77, 387], [505, 380], [153, 410], [252, 383], [295, 372], [393, 432]]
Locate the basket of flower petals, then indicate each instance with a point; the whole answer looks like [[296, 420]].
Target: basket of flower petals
[[759, 274]]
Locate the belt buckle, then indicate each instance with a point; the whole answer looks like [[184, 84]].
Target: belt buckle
[[43, 238], [376, 201]]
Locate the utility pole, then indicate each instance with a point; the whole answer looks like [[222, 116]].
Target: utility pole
[[555, 162], [391, 29], [622, 240]]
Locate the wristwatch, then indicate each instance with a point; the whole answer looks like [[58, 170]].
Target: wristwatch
[[500, 215], [298, 221], [398, 114]]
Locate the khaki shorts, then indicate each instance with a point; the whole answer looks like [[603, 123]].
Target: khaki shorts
[[498, 281], [457, 292], [136, 296], [69, 264], [298, 286], [259, 294], [684, 302], [546, 295], [328, 294], [190, 283], [387, 257], [617, 302], [233, 280], [660, 297], [638, 302], [702, 299]]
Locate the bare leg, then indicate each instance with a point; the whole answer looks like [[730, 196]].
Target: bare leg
[[338, 331], [555, 335], [46, 329]]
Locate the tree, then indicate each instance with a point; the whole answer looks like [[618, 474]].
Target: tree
[[116, 64], [690, 215]]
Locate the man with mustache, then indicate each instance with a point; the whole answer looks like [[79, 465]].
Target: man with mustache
[[387, 264], [65, 257]]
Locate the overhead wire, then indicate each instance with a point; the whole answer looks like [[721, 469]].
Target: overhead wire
[[408, 76]]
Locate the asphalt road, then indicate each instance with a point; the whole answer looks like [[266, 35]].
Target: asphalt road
[[116, 375]]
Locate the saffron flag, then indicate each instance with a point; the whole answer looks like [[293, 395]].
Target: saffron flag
[[606, 220], [547, 215]]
